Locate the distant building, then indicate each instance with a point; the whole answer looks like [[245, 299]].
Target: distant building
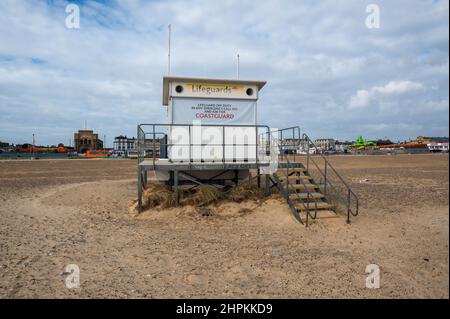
[[342, 147], [438, 147], [384, 142], [326, 144], [291, 145], [5, 147], [61, 148], [430, 140], [87, 139], [23, 148], [303, 145], [125, 144]]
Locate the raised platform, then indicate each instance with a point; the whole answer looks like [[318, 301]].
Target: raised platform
[[159, 165]]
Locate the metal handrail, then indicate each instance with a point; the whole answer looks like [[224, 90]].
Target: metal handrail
[[350, 192], [142, 139], [309, 194], [292, 128]]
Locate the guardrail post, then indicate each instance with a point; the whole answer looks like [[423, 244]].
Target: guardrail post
[[223, 144], [258, 181], [287, 176], [138, 143], [307, 216], [256, 146], [325, 185], [307, 153], [139, 189], [145, 178], [154, 146], [190, 145], [281, 140], [348, 207], [293, 142]]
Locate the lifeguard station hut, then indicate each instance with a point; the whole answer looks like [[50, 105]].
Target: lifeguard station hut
[[213, 135]]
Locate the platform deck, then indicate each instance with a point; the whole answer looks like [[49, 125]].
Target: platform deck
[[186, 166]]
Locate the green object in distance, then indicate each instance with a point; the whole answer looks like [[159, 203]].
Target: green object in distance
[[362, 145]]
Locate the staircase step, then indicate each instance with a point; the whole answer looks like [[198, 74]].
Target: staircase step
[[322, 214], [304, 196], [311, 206], [296, 170], [296, 178], [303, 186]]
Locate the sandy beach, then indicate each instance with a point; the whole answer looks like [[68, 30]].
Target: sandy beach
[[60, 212]]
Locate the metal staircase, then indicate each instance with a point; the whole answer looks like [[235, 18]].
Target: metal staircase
[[306, 200], [311, 185]]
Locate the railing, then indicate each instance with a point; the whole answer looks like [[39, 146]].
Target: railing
[[288, 138], [308, 192], [335, 188], [154, 138]]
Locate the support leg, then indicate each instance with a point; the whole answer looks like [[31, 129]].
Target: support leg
[[259, 178], [145, 178], [175, 182], [267, 185], [139, 189]]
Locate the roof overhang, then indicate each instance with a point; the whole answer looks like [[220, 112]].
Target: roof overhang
[[168, 79]]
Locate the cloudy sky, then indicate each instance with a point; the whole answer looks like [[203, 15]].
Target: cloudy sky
[[326, 70]]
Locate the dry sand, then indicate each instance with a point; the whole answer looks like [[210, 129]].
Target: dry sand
[[59, 212]]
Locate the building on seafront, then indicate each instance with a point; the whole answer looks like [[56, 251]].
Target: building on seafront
[[87, 139], [326, 144], [430, 139], [122, 143]]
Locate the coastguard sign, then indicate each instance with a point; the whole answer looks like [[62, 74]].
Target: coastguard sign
[[213, 111]]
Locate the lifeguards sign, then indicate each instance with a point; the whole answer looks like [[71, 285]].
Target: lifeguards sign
[[217, 90], [211, 101]]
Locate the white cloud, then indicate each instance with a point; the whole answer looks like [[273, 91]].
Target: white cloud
[[360, 100], [399, 87], [363, 98]]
